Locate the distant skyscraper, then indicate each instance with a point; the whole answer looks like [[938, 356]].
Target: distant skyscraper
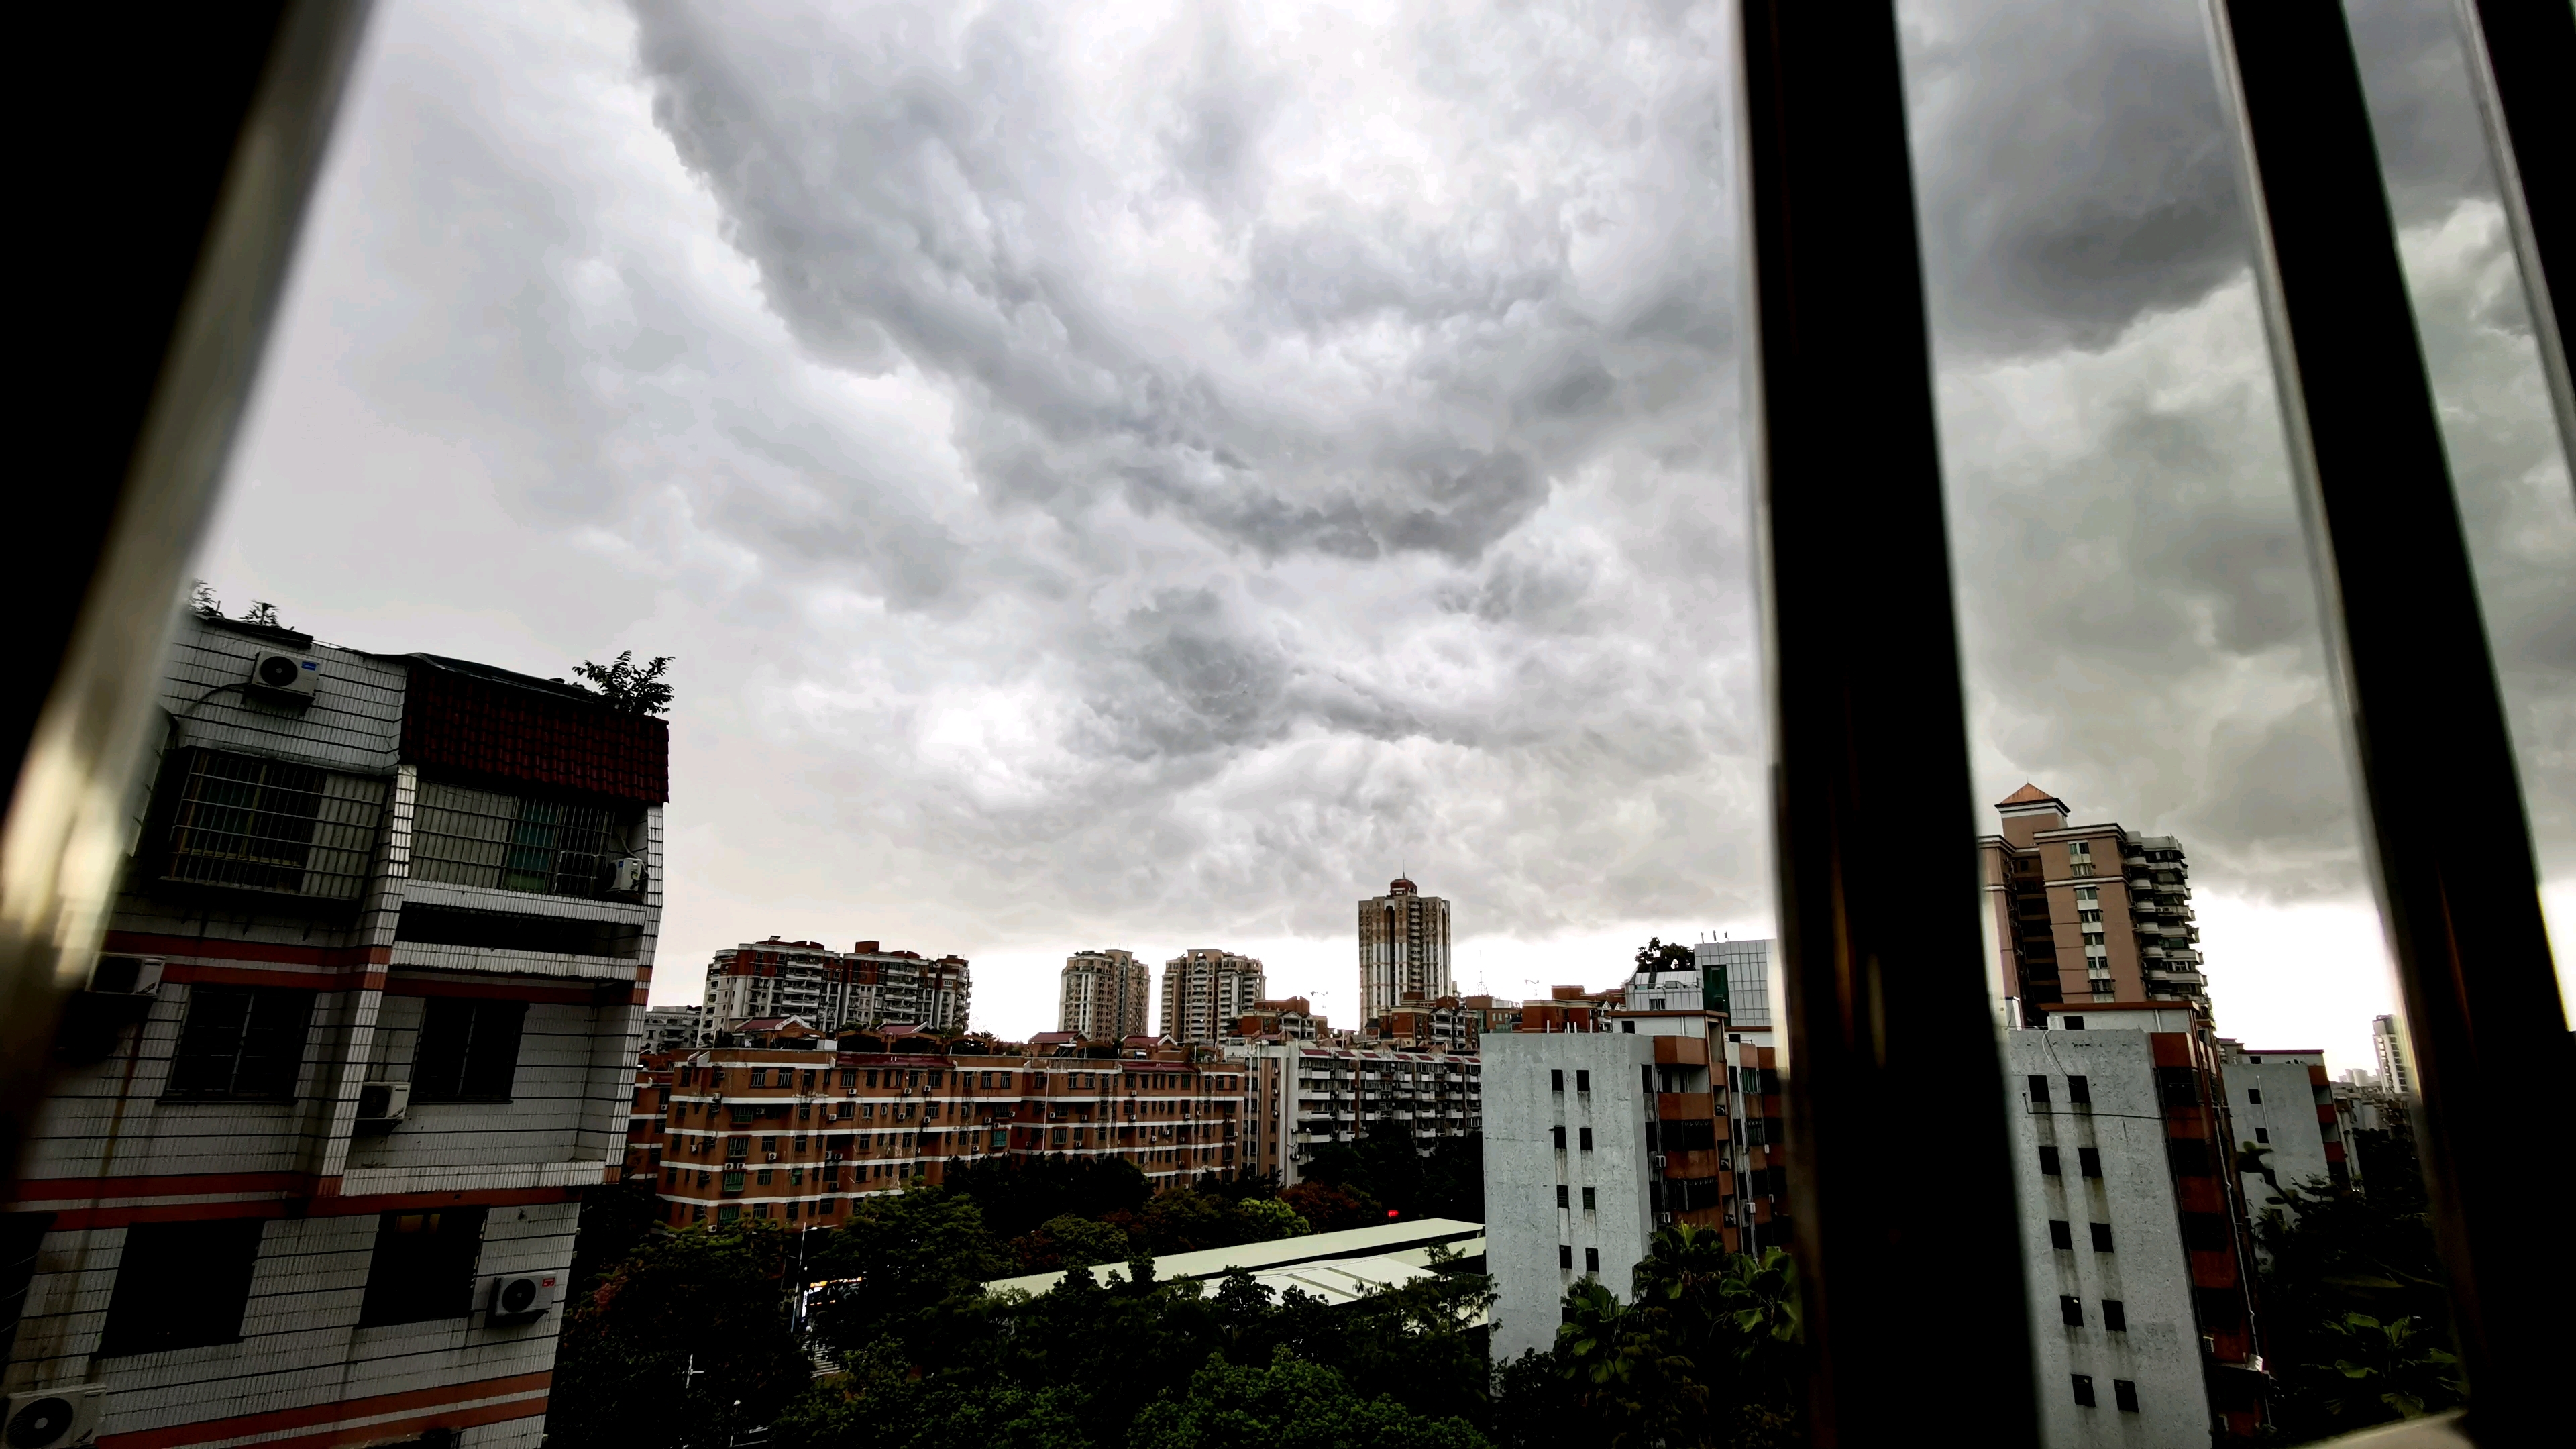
[[1404, 950], [2396, 1064], [2088, 914], [1205, 991], [1105, 995]]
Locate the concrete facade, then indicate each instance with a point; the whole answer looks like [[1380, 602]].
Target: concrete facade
[[1584, 1159], [2285, 1117], [431, 877], [864, 986], [2133, 1242], [2396, 1061]]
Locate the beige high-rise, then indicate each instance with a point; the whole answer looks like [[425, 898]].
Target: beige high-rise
[[2087, 913], [1104, 995], [1404, 950], [1205, 990]]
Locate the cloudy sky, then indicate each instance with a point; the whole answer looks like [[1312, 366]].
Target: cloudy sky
[[1142, 475]]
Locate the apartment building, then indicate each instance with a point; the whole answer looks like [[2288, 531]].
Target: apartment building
[[363, 1031], [2396, 1062], [1104, 995], [1302, 1095], [648, 1118], [791, 1127], [1291, 1018], [1444, 1025], [1206, 989], [2135, 1241], [1739, 979], [1404, 949], [1593, 1140], [2087, 913], [2289, 1132], [675, 1028], [864, 986]]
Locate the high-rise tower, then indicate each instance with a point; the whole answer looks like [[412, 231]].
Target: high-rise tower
[[1105, 994], [2088, 913], [1404, 950], [1205, 990]]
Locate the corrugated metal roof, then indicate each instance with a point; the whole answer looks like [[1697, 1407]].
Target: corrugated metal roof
[[1395, 1242]]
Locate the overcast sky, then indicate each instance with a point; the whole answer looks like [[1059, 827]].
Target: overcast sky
[[1135, 475]]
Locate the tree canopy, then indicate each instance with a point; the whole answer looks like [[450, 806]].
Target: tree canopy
[[629, 688]]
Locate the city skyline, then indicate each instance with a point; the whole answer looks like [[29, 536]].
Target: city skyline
[[969, 656]]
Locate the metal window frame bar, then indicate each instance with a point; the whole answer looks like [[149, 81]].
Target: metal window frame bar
[[2521, 55], [2436, 781]]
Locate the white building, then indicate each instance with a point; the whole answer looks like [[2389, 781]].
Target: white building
[[674, 1029], [2113, 1326], [1592, 1141], [2396, 1061], [363, 1031], [866, 985], [2284, 1113], [1301, 1095], [1206, 991], [1743, 987]]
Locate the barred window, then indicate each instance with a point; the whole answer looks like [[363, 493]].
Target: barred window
[[468, 1049], [272, 825], [464, 836]]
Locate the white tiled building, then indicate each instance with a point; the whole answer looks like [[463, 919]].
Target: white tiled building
[[363, 1031], [1302, 1095]]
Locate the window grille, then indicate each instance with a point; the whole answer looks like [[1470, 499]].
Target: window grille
[[474, 837], [272, 825]]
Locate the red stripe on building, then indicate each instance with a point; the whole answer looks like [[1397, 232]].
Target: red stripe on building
[[495, 990], [140, 943], [337, 1414]]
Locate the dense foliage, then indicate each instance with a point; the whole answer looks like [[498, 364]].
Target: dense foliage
[[629, 687], [2356, 1323], [1113, 1357]]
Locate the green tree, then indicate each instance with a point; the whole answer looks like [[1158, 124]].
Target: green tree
[[1288, 1403], [2389, 1370], [1066, 1241], [202, 601], [684, 1343], [1266, 1218], [1662, 955], [899, 1266], [630, 688]]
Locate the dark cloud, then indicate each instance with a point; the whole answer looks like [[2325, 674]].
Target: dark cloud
[[1144, 480]]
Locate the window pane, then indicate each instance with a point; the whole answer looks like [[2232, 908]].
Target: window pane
[[423, 1266], [181, 1285]]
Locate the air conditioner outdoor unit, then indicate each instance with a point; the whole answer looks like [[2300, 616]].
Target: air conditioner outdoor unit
[[286, 678], [625, 875], [382, 1104], [55, 1418], [518, 1297]]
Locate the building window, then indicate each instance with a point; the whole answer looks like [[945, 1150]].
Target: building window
[[2125, 1394], [1564, 1256], [473, 837], [272, 826], [2101, 1237], [2088, 1160], [1559, 1134], [1589, 1202], [2115, 1315], [1584, 1138], [2084, 1391], [2071, 1023], [2038, 1090], [2262, 1134], [1556, 1081], [1582, 1081], [2048, 1161], [423, 1266], [1560, 1195], [241, 1043], [2071, 1309], [1592, 1260], [469, 1049], [181, 1285], [2079, 1091], [2061, 1235], [2254, 1095]]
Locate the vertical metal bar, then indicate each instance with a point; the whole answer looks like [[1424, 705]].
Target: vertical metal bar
[[2522, 64], [181, 197], [1882, 941], [2443, 818]]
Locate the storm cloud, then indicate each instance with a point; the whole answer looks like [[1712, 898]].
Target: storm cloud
[[1142, 475]]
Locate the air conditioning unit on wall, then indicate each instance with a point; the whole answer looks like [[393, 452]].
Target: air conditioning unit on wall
[[382, 1104], [55, 1418], [284, 678], [519, 1297]]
